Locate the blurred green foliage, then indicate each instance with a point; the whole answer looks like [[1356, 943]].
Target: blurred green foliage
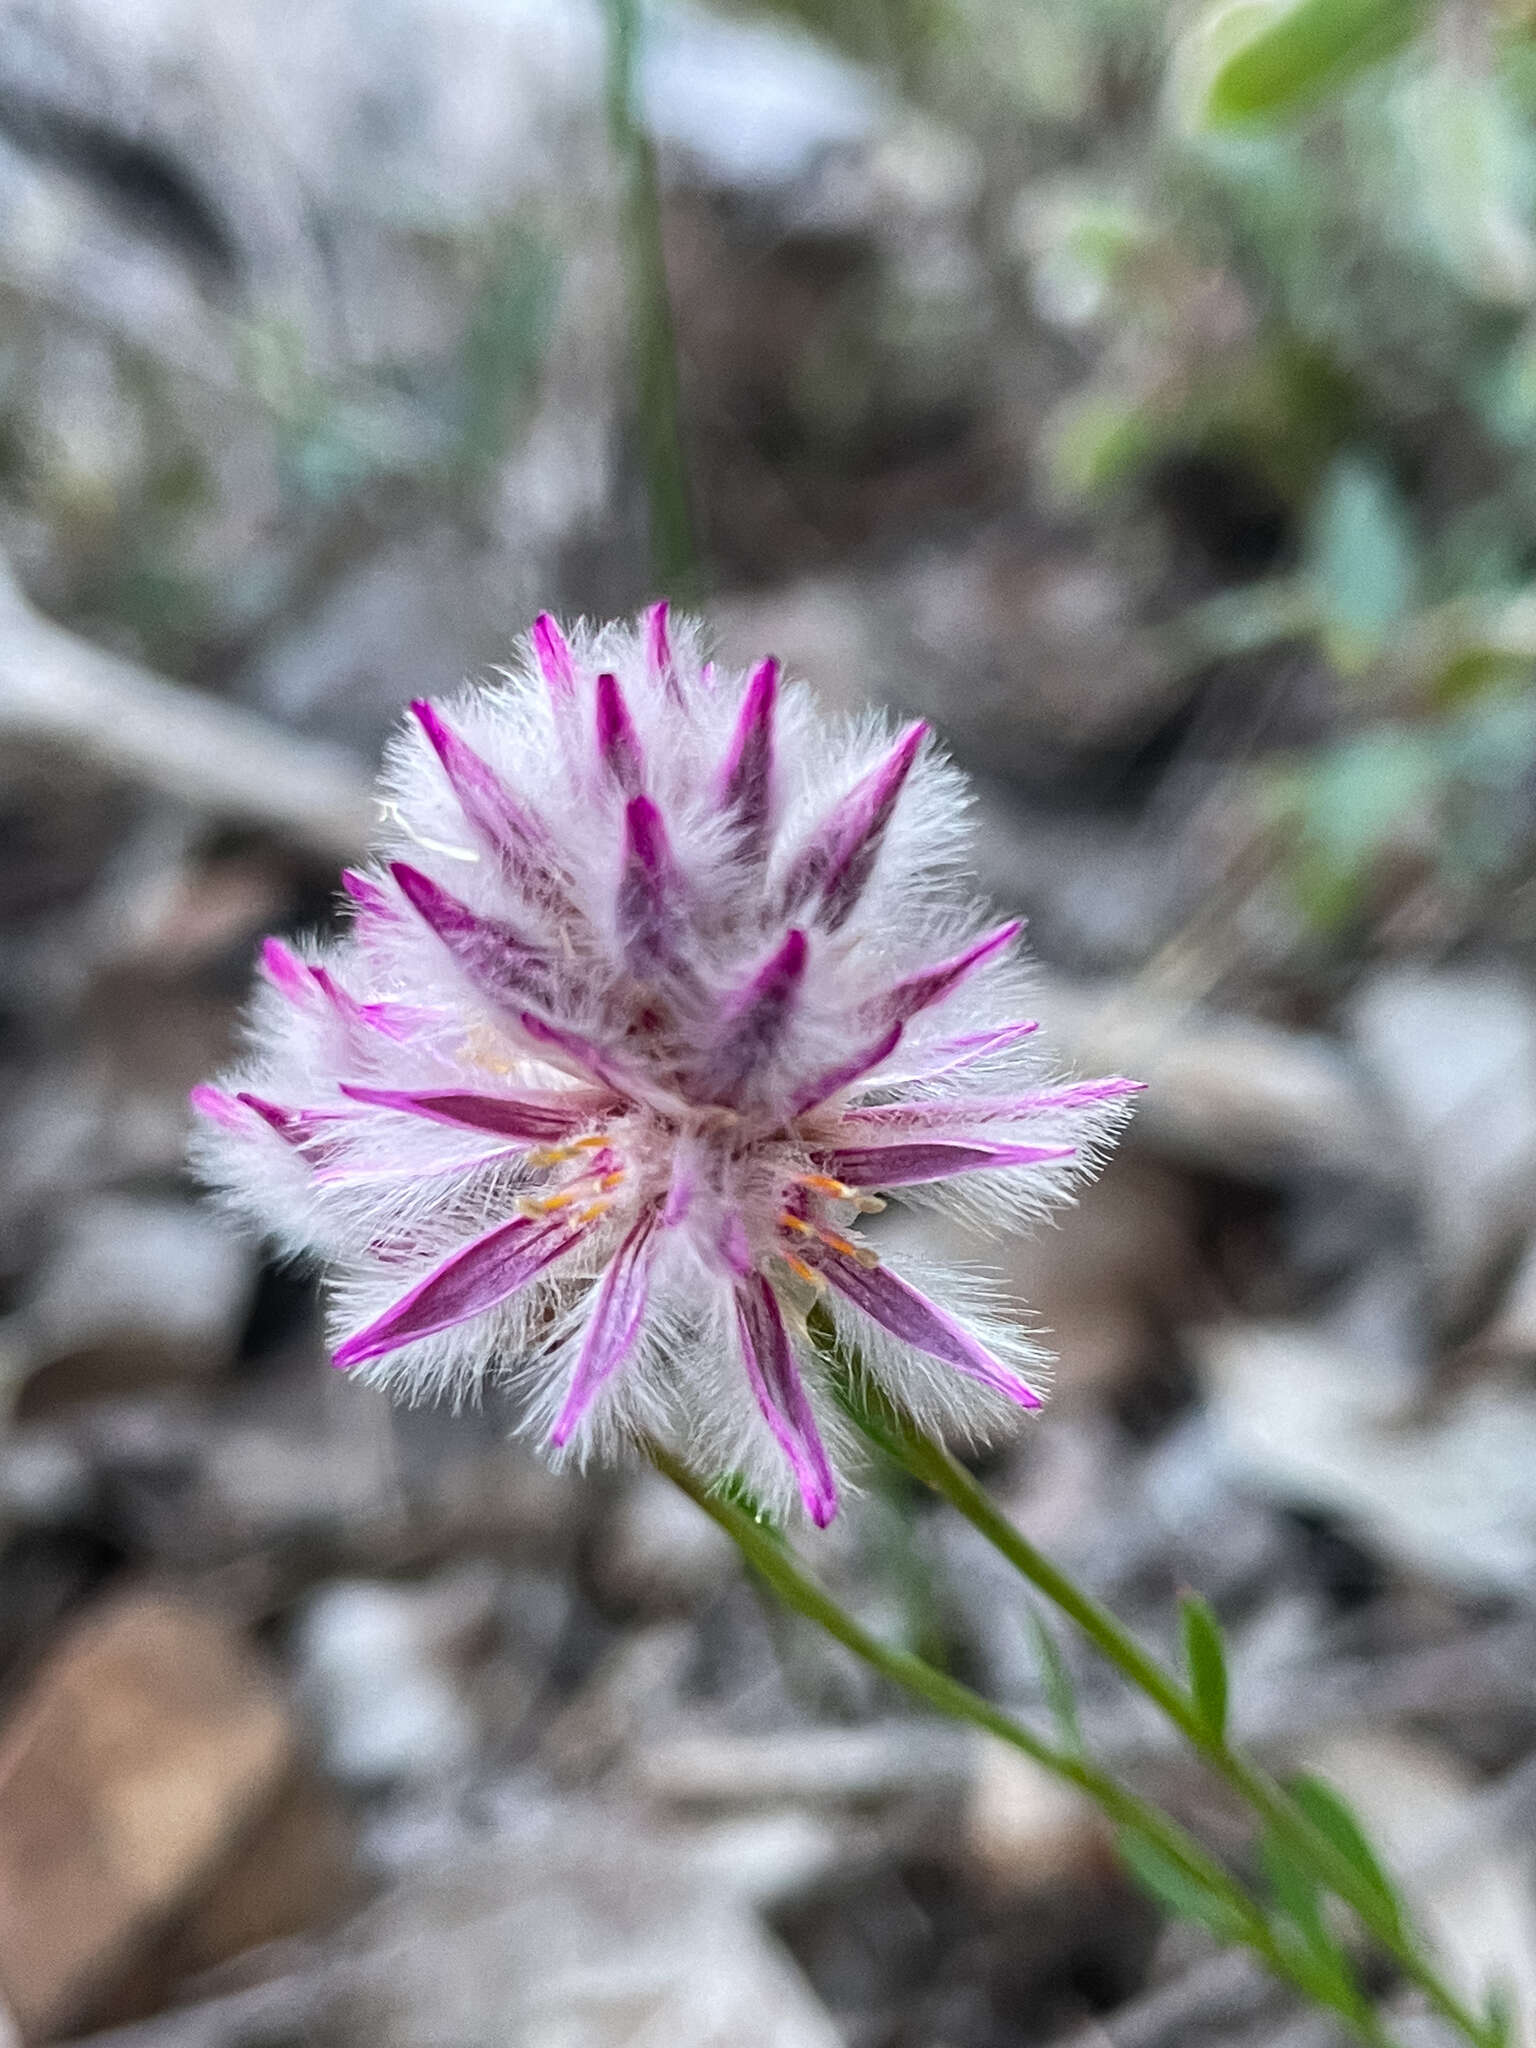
[[1247, 59], [1295, 241], [446, 420], [186, 503], [898, 35], [1311, 261]]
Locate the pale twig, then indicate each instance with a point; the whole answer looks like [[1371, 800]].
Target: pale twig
[[58, 690]]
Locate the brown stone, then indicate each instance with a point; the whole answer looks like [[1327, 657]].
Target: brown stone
[[147, 1746], [291, 1873]]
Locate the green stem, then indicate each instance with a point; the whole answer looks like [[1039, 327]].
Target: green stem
[[653, 345], [937, 1468], [781, 1571]]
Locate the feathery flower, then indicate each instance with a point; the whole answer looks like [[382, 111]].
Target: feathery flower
[[658, 984]]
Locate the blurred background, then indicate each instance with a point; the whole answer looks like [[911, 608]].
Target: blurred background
[[1146, 394]]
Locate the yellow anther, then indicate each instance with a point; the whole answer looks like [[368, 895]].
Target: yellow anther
[[807, 1273], [849, 1250], [789, 1221], [611, 1180], [595, 1143], [552, 1155], [592, 1211], [562, 1199], [835, 1243], [824, 1184]]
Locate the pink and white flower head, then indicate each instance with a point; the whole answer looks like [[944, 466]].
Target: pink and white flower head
[[659, 983]]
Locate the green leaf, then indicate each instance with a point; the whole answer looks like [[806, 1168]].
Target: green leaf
[[1506, 394], [1330, 1815], [1349, 805], [1206, 1660], [1097, 437], [1327, 1979], [1248, 60], [1296, 1891], [1469, 161], [1177, 1890], [1360, 561], [1060, 1693], [1244, 620], [1318, 1958]]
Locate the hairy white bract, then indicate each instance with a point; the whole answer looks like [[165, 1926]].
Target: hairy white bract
[[659, 985]]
